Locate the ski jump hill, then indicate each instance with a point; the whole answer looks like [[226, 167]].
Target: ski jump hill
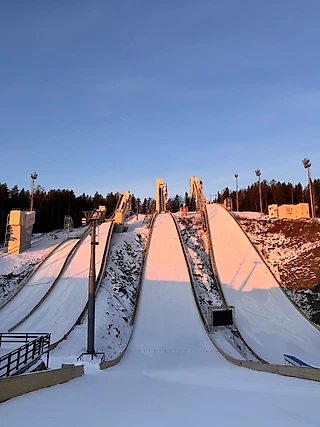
[[171, 374], [56, 294], [268, 321]]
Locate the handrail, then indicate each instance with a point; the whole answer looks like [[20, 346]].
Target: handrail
[[20, 358], [63, 268]]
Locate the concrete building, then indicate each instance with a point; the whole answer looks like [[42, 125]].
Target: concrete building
[[273, 211], [21, 224], [300, 211]]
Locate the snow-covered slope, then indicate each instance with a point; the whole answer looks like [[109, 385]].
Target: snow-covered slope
[[267, 320], [291, 248], [36, 287], [206, 289], [168, 330], [171, 375], [15, 267], [61, 309], [115, 299]]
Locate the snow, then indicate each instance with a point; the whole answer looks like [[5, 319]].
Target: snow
[[115, 299], [248, 214], [291, 248], [171, 374], [206, 290], [60, 310], [36, 287], [15, 267], [267, 320]]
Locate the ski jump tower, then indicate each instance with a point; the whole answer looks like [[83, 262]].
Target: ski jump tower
[[161, 195], [196, 187], [122, 210], [19, 225]]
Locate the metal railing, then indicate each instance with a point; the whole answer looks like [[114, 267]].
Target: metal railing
[[20, 358]]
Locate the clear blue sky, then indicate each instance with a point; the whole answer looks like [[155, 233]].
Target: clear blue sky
[[109, 95]]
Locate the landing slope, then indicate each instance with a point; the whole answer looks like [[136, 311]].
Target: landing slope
[[36, 287], [170, 374], [61, 309], [168, 331], [268, 321]]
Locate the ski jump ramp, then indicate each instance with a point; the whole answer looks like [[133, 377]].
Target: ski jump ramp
[[168, 330], [171, 374], [22, 303], [270, 324], [61, 309]]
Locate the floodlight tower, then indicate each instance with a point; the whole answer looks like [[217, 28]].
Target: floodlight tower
[[33, 176], [258, 173], [307, 164], [237, 193]]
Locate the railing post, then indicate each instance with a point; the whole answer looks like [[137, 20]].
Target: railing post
[[18, 358], [41, 347], [9, 363], [48, 349], [26, 354], [34, 349]]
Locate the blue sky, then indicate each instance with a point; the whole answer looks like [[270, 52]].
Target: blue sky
[[109, 95]]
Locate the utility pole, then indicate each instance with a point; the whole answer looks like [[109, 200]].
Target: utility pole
[[237, 195], [258, 173], [92, 289], [33, 176], [93, 218], [307, 164]]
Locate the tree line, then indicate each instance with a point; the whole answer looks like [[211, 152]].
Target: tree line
[[52, 206], [273, 192]]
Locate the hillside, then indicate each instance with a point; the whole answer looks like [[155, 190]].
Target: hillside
[[291, 248]]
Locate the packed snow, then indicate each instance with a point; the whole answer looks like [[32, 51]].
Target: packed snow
[[171, 374], [36, 287], [115, 299], [267, 320], [206, 288], [60, 310], [16, 267]]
